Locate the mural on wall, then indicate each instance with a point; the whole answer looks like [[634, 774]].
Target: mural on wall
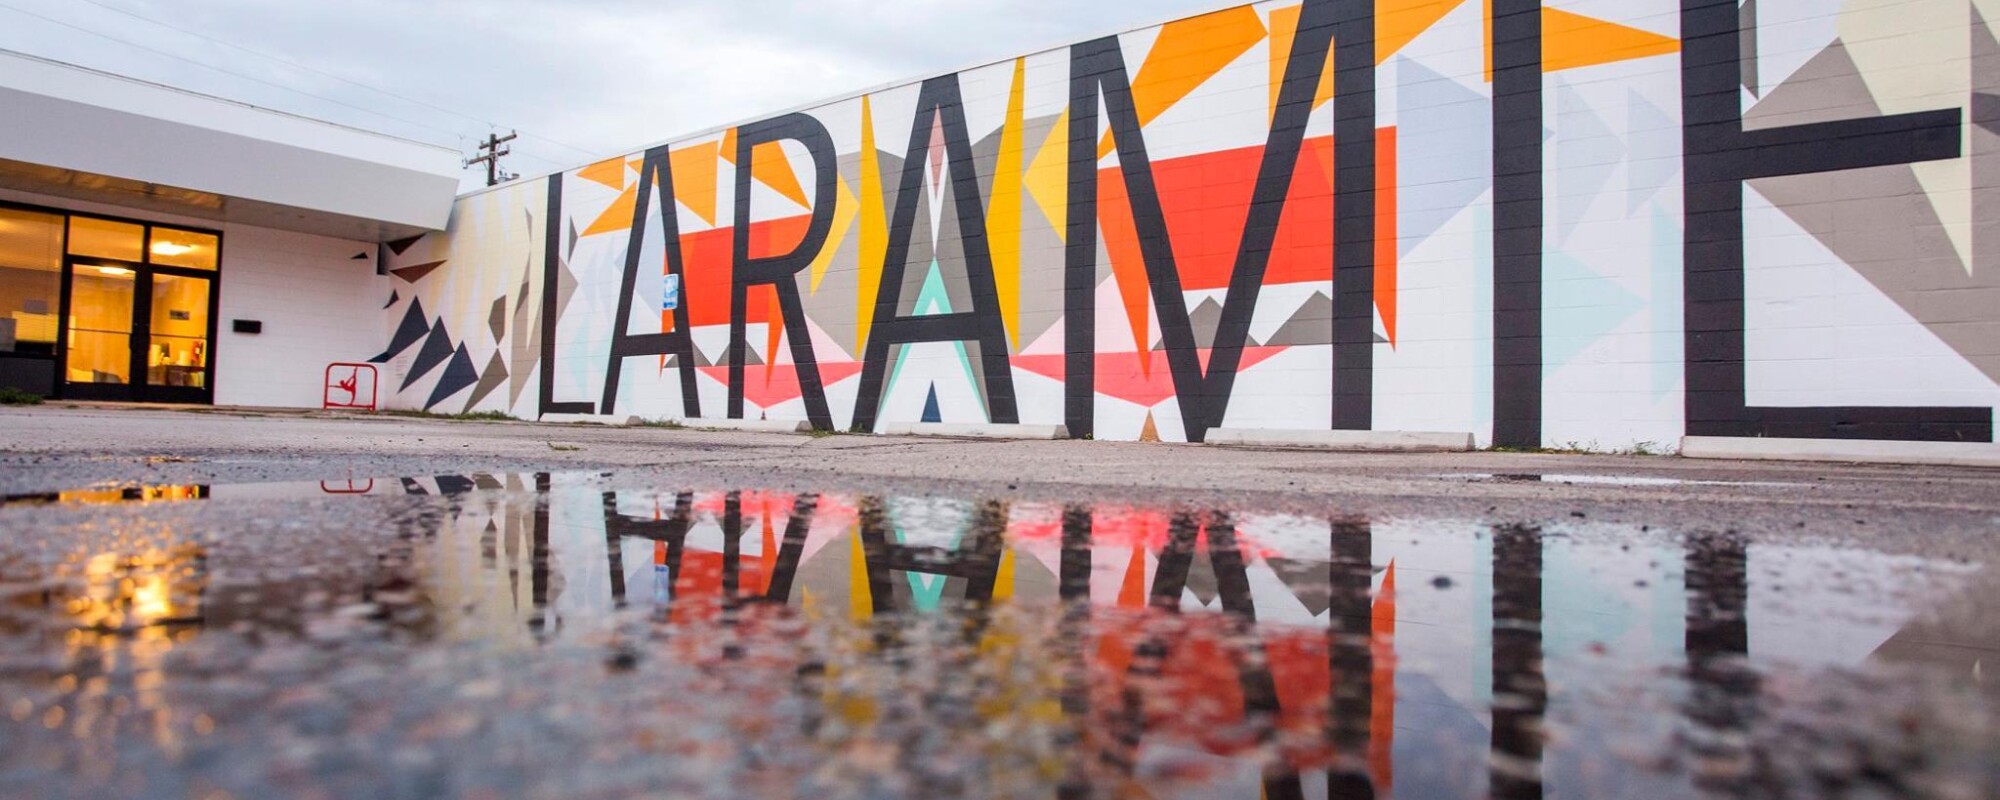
[[1590, 223]]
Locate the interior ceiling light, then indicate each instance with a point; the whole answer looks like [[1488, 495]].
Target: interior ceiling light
[[118, 272], [171, 248]]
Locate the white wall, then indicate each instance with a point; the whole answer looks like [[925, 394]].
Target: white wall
[[318, 305]]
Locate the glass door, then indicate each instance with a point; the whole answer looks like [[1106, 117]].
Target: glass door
[[139, 310], [177, 338], [97, 361]]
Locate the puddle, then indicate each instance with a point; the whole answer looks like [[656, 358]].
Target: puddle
[[532, 635]]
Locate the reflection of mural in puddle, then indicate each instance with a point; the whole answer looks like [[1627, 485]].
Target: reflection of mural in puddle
[[108, 495], [1187, 652]]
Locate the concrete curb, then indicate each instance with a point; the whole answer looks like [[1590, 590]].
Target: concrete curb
[[752, 425], [588, 419], [976, 431], [1348, 441], [1855, 451]]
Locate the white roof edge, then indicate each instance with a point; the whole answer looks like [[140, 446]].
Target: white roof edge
[[81, 84], [876, 88]]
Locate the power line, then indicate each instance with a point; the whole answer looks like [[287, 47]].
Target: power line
[[272, 84], [325, 74]]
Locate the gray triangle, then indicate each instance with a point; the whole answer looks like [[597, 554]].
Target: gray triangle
[[1312, 324], [1204, 319], [570, 252], [565, 288], [496, 319], [490, 379], [1986, 112], [1746, 34], [1588, 154], [1201, 578], [1307, 580], [1445, 169], [1826, 88], [1653, 135]]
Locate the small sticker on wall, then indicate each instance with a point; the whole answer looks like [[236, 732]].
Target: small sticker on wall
[[670, 292], [179, 315]]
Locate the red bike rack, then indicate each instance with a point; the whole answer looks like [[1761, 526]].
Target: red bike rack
[[350, 384]]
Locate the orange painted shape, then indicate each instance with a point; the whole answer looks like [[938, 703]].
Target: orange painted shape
[[694, 178], [774, 326], [610, 172], [1133, 593], [770, 166], [1185, 55], [1128, 262], [1284, 30], [709, 265], [1382, 705], [1386, 243], [618, 215], [1573, 40], [1398, 22]]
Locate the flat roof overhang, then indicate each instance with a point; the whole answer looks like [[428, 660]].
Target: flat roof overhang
[[86, 135]]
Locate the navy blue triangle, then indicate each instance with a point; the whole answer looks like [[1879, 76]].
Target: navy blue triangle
[[437, 348], [458, 375], [412, 329], [393, 297], [931, 413]]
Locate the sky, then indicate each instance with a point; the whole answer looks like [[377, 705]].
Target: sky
[[580, 79]]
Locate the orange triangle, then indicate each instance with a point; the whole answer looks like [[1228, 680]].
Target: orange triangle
[[694, 179], [618, 215], [769, 165], [1185, 55], [1398, 22], [610, 172], [1573, 40], [1151, 431]]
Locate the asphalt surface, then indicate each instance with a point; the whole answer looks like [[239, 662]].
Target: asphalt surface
[[229, 603]]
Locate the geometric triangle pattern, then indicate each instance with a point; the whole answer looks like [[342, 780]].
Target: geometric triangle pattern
[[1150, 265]]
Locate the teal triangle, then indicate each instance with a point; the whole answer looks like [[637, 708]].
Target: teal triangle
[[1582, 307], [933, 300], [926, 590], [931, 412]]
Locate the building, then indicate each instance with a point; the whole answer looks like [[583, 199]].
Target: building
[[163, 246], [1604, 225]]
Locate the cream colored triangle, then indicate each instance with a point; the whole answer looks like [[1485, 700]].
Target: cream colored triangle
[[1916, 55]]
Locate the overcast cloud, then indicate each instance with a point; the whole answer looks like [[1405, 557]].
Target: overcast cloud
[[599, 76]]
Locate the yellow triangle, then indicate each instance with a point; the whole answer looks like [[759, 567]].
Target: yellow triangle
[[610, 172], [874, 230], [1048, 177], [843, 218], [861, 604], [1003, 578], [1151, 431], [694, 179], [618, 215], [1573, 40], [1003, 213], [1185, 55]]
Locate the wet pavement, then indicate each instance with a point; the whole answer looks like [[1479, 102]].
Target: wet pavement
[[588, 634]]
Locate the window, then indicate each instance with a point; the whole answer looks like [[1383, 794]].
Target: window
[[178, 248], [103, 238], [31, 247]]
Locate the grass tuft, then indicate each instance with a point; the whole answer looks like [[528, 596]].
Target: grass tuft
[[10, 396]]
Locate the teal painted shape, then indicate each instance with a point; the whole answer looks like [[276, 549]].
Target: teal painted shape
[[932, 300], [1579, 307]]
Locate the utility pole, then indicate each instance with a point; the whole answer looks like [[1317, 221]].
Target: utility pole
[[492, 151]]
